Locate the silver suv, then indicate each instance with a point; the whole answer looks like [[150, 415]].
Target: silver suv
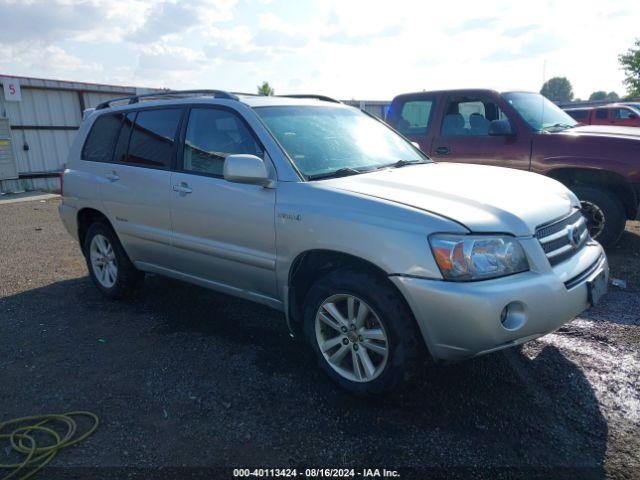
[[323, 212]]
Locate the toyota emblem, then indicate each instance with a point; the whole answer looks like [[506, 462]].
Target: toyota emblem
[[574, 236]]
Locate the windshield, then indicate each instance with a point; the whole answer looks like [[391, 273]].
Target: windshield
[[539, 112], [323, 140]]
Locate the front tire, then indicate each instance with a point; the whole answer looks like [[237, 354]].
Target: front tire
[[362, 331], [604, 213], [109, 266]]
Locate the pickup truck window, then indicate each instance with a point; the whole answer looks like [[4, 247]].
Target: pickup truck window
[[323, 140], [538, 112], [622, 113], [579, 114], [414, 117], [469, 116]]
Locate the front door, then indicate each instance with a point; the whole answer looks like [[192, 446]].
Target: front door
[[463, 135], [223, 232], [624, 117]]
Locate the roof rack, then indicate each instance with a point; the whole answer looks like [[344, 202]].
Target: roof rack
[[317, 97], [169, 93]]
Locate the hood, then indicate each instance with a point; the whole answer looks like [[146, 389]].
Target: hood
[[631, 133], [482, 198]]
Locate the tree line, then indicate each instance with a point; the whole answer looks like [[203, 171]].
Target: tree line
[[559, 89]]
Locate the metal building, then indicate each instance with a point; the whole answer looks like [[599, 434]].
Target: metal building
[[375, 107], [38, 121]]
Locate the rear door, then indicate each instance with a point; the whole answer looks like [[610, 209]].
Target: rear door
[[463, 134], [223, 232], [136, 184], [412, 115], [601, 116]]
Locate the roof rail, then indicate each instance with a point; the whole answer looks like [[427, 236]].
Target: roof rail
[[317, 97], [169, 93]]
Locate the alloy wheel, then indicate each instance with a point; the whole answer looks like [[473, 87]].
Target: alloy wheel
[[351, 337], [103, 261]]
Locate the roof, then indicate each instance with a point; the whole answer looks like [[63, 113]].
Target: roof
[[272, 101], [216, 97], [462, 91], [608, 105]]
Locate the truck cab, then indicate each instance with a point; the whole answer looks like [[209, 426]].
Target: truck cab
[[616, 114], [523, 130]]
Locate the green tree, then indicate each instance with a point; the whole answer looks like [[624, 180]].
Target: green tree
[[599, 95], [265, 89], [630, 63], [557, 89], [613, 96]]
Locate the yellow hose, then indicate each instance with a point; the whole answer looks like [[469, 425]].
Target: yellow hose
[[37, 457]]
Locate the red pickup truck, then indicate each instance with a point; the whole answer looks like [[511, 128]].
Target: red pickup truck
[[524, 130], [615, 114]]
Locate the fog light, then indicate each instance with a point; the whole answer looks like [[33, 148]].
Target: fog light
[[513, 316]]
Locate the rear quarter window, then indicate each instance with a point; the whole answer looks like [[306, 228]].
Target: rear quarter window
[[413, 117], [578, 114], [98, 147]]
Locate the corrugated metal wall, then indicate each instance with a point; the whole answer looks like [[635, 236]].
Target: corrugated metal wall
[[44, 124], [374, 107]]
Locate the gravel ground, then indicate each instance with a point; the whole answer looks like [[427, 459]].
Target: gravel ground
[[185, 377]]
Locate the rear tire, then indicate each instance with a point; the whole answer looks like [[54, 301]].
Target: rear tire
[[605, 214], [109, 266], [380, 346]]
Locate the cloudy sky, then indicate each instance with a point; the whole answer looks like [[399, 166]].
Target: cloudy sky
[[343, 48]]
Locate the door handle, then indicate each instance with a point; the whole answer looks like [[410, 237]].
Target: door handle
[[182, 189], [112, 176], [443, 150]]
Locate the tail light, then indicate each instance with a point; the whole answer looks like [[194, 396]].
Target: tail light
[[61, 179]]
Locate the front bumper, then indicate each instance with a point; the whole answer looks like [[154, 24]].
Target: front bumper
[[460, 320]]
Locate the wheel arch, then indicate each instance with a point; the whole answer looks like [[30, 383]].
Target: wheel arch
[[310, 265], [611, 181], [86, 217]]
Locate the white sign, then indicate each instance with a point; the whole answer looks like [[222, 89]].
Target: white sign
[[11, 87]]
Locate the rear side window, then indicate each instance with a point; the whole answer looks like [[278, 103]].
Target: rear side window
[[98, 147], [120, 154], [414, 117], [601, 113], [212, 135], [153, 138]]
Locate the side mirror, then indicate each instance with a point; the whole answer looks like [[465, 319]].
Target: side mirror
[[249, 169], [501, 128], [632, 116]]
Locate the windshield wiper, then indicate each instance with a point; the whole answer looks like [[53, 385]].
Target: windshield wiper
[[403, 163], [341, 172]]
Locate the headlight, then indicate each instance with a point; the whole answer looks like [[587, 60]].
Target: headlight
[[476, 257]]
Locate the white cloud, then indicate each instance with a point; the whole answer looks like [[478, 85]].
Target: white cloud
[[359, 48]]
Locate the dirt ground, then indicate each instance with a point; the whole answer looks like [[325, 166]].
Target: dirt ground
[[190, 383]]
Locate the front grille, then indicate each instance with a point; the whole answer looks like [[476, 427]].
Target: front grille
[[562, 239]]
